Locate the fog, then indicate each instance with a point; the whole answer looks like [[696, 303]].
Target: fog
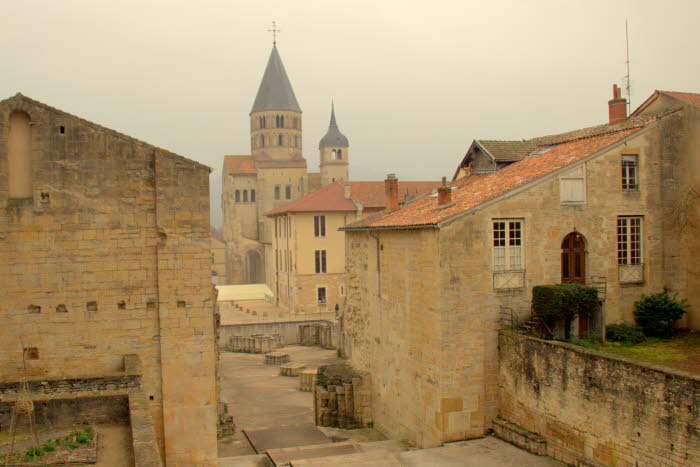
[[413, 82]]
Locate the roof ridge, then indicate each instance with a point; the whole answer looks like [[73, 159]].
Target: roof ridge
[[166, 152]]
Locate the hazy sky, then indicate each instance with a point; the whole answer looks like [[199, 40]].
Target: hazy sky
[[414, 82]]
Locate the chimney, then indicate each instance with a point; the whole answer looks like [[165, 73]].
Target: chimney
[[346, 190], [617, 107], [391, 188], [444, 193]]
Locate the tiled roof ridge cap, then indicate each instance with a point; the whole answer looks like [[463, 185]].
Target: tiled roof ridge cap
[[637, 122], [104, 128]]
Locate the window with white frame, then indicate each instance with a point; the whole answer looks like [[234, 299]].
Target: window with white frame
[[629, 240], [507, 245], [572, 186], [629, 249], [630, 180]]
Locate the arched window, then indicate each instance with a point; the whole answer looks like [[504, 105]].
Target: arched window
[[262, 141], [279, 140], [288, 192], [263, 122], [333, 154], [252, 196], [340, 154], [277, 121], [20, 156], [281, 121], [238, 196], [296, 141], [277, 192], [245, 196]]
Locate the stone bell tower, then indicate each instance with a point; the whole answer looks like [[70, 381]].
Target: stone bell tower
[[334, 153]]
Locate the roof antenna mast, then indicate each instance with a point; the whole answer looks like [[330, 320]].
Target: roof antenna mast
[[274, 32], [627, 77]]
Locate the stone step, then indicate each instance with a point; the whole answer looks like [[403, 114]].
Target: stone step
[[387, 445], [364, 459], [283, 456], [253, 460]]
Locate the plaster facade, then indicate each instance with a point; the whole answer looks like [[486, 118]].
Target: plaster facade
[[109, 255]]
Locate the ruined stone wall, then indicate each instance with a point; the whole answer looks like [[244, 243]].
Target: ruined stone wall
[[342, 397], [110, 256], [598, 409]]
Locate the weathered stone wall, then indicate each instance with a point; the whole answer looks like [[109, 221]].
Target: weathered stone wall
[[393, 330], [287, 330], [342, 397], [596, 408], [110, 256]]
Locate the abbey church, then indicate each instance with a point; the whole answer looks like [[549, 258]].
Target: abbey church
[[275, 173]]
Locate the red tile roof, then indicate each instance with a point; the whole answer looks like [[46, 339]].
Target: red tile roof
[[327, 198], [689, 97], [371, 195], [239, 165], [552, 153]]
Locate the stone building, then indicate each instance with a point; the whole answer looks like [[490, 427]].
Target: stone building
[[274, 174], [105, 274], [309, 248], [615, 205], [218, 260]]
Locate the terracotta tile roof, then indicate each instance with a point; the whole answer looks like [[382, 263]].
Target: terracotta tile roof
[[239, 165], [371, 195], [689, 97], [507, 150], [552, 153], [327, 198]]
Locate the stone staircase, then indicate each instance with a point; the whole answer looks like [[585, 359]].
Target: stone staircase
[[379, 453]]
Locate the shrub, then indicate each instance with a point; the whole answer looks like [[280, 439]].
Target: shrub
[[50, 446], [656, 313], [33, 452], [625, 333], [73, 445], [563, 301]]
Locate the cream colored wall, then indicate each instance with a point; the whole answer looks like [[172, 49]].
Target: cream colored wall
[[297, 286], [305, 243], [292, 144], [332, 169]]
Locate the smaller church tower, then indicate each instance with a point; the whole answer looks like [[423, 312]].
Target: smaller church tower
[[334, 153]]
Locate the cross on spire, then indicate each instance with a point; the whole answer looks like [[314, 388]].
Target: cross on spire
[[274, 32]]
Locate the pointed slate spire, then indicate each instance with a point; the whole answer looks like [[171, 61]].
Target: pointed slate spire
[[333, 138], [275, 91]]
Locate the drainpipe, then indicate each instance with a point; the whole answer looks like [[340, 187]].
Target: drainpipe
[[379, 266]]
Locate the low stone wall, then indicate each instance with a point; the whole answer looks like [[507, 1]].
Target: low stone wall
[[115, 398], [259, 343], [342, 397], [594, 408], [317, 334], [287, 330]]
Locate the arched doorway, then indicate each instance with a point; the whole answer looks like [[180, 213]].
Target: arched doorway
[[573, 268], [253, 272]]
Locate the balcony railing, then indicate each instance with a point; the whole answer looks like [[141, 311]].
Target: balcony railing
[[508, 280], [630, 273]]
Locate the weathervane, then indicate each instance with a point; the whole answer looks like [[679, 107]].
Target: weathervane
[[274, 32]]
